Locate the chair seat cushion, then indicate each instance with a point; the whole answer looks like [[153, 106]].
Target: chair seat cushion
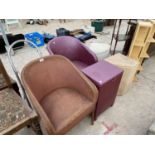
[[64, 105], [80, 64]]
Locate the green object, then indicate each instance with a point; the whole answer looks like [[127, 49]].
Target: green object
[[98, 24]]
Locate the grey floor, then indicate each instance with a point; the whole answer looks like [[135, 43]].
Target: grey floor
[[132, 113]]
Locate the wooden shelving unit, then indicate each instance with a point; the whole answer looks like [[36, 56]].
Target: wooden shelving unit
[[143, 36], [151, 37]]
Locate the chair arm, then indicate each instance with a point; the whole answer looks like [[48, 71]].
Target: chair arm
[[36, 105], [81, 83], [89, 57]]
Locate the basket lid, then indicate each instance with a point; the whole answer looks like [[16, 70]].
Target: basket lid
[[121, 60]]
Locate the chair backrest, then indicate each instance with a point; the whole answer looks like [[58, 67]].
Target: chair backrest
[[43, 77], [66, 46], [4, 78], [71, 48]]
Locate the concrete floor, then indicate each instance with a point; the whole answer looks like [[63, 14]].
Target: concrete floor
[[132, 113]]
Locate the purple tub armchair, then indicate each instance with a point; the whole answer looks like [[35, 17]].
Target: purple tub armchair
[[73, 49]]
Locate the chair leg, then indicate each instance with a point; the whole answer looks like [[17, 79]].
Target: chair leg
[[92, 118], [29, 126], [36, 128]]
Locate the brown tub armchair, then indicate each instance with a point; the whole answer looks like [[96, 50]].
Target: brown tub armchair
[[60, 93]]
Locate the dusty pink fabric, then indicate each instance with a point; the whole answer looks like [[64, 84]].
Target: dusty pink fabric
[[61, 94]]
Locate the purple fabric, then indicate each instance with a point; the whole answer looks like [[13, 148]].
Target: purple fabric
[[73, 49], [102, 72], [80, 64]]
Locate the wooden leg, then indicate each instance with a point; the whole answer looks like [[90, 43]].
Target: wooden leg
[[92, 118], [111, 105], [36, 128], [28, 126]]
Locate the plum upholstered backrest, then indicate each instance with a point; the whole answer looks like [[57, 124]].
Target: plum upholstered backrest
[[71, 48]]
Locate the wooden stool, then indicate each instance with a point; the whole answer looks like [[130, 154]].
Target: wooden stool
[[14, 114]]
